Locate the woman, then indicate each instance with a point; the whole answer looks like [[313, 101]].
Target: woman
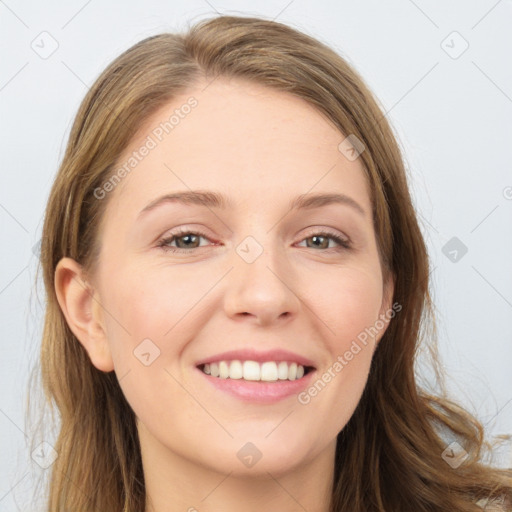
[[236, 286]]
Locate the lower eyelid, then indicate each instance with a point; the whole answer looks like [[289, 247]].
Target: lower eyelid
[[341, 242], [163, 242]]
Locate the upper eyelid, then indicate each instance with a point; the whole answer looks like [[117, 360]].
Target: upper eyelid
[[328, 232], [198, 231]]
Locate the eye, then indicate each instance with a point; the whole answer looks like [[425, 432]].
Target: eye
[[188, 240], [321, 240]]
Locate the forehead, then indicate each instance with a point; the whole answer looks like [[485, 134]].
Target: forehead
[[257, 145]]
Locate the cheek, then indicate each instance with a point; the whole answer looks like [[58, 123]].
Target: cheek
[[347, 302], [349, 312], [151, 299], [147, 329]]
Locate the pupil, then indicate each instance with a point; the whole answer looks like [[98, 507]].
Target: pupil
[[185, 237], [317, 238]]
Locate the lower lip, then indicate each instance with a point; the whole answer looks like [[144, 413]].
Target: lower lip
[[260, 391]]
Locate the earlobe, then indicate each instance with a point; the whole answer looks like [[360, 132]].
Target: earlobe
[[80, 305]]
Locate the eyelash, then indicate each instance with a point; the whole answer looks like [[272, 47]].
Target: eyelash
[[163, 243]]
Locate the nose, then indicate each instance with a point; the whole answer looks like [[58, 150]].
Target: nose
[[261, 291]]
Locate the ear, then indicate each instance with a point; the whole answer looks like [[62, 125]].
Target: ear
[[80, 305], [387, 312]]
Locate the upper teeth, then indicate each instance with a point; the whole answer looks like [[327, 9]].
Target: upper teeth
[[252, 370]]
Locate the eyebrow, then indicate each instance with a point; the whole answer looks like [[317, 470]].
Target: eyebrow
[[214, 200]]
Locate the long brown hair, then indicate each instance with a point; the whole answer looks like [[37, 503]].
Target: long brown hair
[[389, 456]]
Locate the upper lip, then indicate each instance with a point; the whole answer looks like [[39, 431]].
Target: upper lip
[[253, 355]]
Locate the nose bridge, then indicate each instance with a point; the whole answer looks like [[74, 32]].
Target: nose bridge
[[261, 245], [258, 284]]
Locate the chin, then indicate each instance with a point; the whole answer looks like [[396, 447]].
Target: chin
[[257, 456]]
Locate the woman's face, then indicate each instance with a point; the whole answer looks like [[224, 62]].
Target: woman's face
[[254, 279]]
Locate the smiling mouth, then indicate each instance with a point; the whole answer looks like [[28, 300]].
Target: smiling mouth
[[269, 371]]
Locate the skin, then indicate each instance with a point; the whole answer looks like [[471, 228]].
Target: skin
[[260, 148]]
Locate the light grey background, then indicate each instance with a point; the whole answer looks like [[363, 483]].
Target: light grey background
[[452, 112]]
